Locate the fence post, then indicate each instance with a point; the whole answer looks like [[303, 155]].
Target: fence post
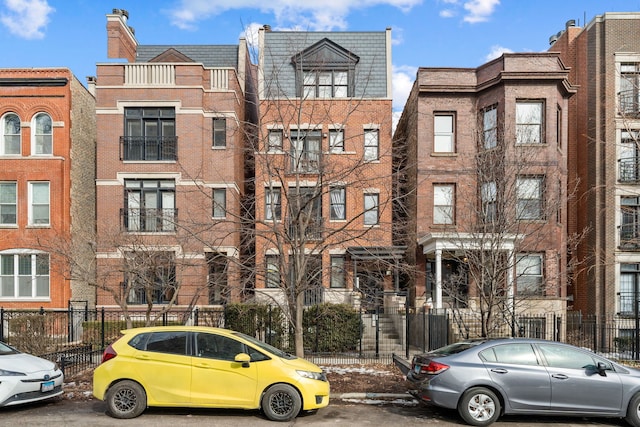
[[102, 327], [408, 328], [1, 324], [70, 333]]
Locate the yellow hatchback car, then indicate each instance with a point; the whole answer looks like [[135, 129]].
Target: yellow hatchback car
[[197, 366]]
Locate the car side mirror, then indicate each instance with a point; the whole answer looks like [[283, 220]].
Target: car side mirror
[[602, 369], [243, 358]]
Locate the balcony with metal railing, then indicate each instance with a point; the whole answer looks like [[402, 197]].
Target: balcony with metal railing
[[629, 236], [148, 148], [629, 103], [148, 220], [303, 229], [306, 162], [629, 170]]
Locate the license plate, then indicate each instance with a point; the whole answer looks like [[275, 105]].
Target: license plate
[[416, 369], [48, 386]]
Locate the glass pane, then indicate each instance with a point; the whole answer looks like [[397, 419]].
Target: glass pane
[[42, 286], [6, 265], [7, 286], [443, 124], [43, 124], [11, 125], [43, 144], [24, 286], [340, 92], [12, 144], [443, 143], [24, 264], [40, 192], [8, 192]]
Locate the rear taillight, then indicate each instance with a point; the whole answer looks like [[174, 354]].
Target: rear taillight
[[433, 368], [109, 353]]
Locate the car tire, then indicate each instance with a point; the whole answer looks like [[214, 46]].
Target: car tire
[[281, 402], [126, 399], [479, 406], [633, 411]]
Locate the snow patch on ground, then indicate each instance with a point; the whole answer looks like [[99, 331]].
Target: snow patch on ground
[[342, 370]]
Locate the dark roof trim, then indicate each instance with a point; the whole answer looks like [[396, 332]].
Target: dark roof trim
[[53, 81], [325, 53]]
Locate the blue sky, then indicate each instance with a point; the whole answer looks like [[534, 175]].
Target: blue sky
[[426, 33]]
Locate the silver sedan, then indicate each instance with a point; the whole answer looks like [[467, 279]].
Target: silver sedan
[[484, 379]]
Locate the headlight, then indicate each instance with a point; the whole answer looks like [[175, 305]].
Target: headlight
[[320, 376], [4, 373]]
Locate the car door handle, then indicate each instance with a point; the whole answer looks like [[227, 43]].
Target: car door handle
[[499, 371], [560, 376], [142, 356]]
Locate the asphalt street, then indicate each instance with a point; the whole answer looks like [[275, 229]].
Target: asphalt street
[[64, 412]]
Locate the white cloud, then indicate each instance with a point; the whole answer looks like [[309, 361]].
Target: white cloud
[[479, 10], [312, 15], [26, 18], [402, 82], [447, 13], [496, 51]]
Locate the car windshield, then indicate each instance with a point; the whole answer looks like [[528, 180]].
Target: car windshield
[[264, 346], [6, 349], [456, 347]]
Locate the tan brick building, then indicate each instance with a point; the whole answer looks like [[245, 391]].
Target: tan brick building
[[171, 126], [323, 169], [47, 192], [485, 150], [604, 130]]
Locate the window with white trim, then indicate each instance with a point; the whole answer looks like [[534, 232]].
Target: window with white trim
[[336, 140], [529, 192], [371, 144], [529, 274], [8, 203], [338, 195], [529, 122], [39, 207], [443, 133], [24, 275], [371, 208], [444, 203], [219, 202], [11, 135], [42, 135], [274, 140], [272, 204]]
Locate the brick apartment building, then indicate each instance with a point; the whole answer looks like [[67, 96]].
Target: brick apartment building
[[323, 169], [47, 191], [485, 150], [171, 126], [604, 130]]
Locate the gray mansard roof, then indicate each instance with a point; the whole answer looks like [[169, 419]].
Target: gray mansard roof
[[282, 47], [211, 56]]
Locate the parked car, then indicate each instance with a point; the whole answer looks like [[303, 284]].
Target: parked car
[[484, 379], [25, 378], [191, 366]]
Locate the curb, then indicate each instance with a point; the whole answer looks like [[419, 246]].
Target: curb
[[385, 396]]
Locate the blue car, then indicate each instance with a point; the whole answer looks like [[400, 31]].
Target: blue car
[[484, 379]]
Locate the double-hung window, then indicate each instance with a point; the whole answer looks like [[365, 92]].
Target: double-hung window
[[39, 203], [150, 205], [371, 144], [529, 122], [338, 272], [272, 267], [629, 286], [150, 277], [630, 222], [444, 204], [274, 141], [8, 203], [489, 194], [529, 274], [42, 135], [325, 84], [11, 135], [150, 134], [443, 133], [24, 275], [530, 191], [490, 127], [219, 132]]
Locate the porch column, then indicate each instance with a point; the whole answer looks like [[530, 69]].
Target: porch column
[[438, 301]]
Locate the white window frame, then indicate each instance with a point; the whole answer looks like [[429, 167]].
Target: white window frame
[[8, 203], [371, 145], [26, 283], [444, 132], [7, 134], [44, 148], [371, 209], [444, 201], [336, 140], [33, 221], [219, 202], [275, 139], [529, 273], [271, 213], [529, 189], [338, 203], [529, 122]]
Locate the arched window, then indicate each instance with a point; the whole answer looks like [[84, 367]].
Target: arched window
[[42, 135], [10, 143]]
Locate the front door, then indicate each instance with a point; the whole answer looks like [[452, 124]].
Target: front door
[[371, 286]]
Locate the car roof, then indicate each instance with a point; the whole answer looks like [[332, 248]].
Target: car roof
[[177, 328]]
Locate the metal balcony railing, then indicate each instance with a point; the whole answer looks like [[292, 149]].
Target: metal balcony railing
[[149, 148], [629, 102], [149, 220], [310, 230], [630, 236], [305, 162], [628, 170]]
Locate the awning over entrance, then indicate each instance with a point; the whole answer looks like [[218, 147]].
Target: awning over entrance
[[362, 253]]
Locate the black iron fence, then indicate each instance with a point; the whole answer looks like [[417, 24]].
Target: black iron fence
[[75, 338]]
